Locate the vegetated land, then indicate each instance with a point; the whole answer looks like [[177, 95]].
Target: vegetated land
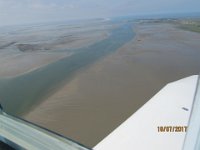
[[191, 25]]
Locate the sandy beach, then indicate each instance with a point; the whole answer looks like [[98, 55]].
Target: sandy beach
[[98, 99]]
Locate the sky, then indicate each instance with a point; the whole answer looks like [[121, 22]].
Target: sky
[[32, 11]]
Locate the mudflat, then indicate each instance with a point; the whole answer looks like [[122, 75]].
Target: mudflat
[[100, 97], [27, 48]]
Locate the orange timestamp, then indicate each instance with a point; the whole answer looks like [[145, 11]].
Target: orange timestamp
[[172, 128]]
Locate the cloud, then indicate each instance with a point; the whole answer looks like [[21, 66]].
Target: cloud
[[25, 11]]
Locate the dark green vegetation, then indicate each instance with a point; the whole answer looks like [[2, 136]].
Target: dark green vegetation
[[185, 24], [19, 94], [191, 25]]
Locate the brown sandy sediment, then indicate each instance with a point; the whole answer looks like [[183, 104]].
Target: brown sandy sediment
[[33, 50], [72, 41], [101, 97], [26, 48], [20, 63]]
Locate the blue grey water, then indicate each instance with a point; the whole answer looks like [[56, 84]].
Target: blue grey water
[[20, 94]]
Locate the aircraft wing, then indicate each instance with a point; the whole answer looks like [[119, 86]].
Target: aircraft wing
[[160, 124]]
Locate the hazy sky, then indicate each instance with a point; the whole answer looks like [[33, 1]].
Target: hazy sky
[[27, 11]]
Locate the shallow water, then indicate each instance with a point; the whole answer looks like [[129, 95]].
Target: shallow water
[[19, 94]]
